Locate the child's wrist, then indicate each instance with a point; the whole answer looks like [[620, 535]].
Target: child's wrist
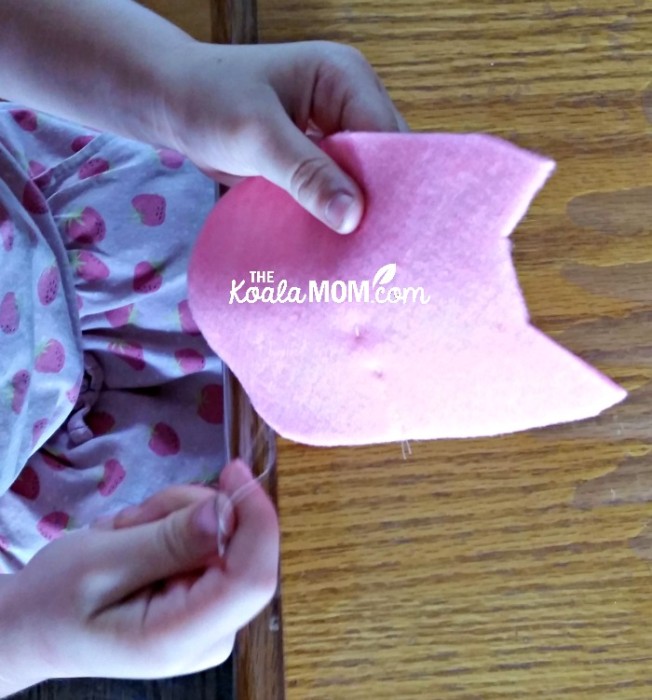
[[150, 108], [178, 108], [21, 665]]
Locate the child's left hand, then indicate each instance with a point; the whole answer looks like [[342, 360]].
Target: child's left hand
[[144, 594], [245, 110]]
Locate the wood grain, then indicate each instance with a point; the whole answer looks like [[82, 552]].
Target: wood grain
[[193, 16], [234, 21], [519, 566]]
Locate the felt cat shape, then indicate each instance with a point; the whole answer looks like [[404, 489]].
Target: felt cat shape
[[413, 326]]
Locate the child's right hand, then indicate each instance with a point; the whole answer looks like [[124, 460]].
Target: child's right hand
[[247, 111], [145, 600], [233, 110]]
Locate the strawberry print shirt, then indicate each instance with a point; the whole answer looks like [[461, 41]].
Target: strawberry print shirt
[[108, 391], [41, 364]]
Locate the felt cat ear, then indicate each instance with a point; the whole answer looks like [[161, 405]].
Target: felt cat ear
[[412, 327]]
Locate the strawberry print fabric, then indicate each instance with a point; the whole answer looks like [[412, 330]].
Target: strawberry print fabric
[[108, 392]]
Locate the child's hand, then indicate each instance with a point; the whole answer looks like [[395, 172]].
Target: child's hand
[[153, 599], [244, 110]]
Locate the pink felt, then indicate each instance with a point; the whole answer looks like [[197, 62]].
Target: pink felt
[[440, 207]]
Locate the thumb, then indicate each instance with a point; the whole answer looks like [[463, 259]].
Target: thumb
[[289, 159], [134, 557]]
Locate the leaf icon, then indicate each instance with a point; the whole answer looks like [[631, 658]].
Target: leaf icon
[[385, 274]]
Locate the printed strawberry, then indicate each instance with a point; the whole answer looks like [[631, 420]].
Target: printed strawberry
[[73, 393], [120, 316], [80, 141], [164, 441], [25, 118], [100, 422], [27, 484], [54, 524], [130, 352], [170, 159], [186, 321], [48, 285], [211, 404], [9, 314], [33, 199], [51, 358], [20, 385], [37, 429], [85, 227], [147, 278], [7, 234], [55, 461], [114, 475], [88, 266], [150, 208], [189, 360], [94, 166]]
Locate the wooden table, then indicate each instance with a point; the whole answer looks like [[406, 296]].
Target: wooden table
[[514, 567]]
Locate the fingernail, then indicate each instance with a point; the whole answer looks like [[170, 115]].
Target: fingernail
[[205, 518], [225, 518], [341, 212]]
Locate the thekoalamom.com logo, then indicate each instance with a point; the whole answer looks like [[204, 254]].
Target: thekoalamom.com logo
[[262, 289]]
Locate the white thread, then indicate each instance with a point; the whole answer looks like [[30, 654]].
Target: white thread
[[262, 441]]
